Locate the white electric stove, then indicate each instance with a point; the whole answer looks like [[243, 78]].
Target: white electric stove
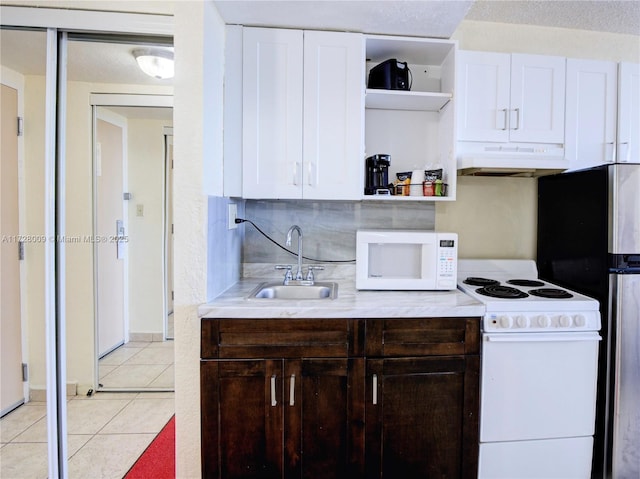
[[538, 372]]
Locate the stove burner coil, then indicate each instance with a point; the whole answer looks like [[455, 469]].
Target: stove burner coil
[[552, 293], [480, 281], [532, 283], [500, 291]]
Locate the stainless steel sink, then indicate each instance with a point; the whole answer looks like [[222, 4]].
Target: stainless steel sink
[[318, 290]]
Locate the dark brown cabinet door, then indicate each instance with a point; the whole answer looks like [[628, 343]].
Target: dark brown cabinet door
[[422, 417], [242, 419], [324, 418]]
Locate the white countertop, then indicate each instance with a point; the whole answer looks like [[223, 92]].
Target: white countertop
[[350, 303]]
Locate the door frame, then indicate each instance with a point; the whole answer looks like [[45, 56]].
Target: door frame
[[15, 80], [167, 249]]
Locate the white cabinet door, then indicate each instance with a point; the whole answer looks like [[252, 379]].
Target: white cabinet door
[[537, 98], [333, 115], [510, 97], [629, 113], [272, 113], [591, 108], [483, 96]]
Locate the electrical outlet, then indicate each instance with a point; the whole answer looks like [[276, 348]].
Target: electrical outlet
[[233, 214]]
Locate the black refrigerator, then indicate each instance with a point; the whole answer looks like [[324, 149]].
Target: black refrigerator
[[589, 241]]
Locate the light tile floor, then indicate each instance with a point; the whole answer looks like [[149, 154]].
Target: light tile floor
[[107, 432], [138, 365]]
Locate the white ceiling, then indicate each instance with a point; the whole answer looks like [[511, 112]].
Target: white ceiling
[[433, 18], [113, 63], [601, 15]]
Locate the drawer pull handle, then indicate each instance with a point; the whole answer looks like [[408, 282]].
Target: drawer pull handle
[[292, 390], [274, 401], [375, 389]]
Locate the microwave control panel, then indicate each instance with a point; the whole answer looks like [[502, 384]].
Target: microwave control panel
[[447, 260]]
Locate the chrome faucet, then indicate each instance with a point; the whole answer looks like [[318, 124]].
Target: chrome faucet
[[298, 276]]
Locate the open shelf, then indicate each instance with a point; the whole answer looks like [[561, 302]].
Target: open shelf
[[406, 100]]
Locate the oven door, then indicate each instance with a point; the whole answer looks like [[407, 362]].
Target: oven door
[[538, 385]]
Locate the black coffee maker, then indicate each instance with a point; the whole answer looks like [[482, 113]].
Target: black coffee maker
[[377, 175]]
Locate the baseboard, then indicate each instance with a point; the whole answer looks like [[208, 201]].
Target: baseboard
[[146, 337], [40, 394]]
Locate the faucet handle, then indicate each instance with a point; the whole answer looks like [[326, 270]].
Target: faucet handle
[[310, 275], [288, 276]]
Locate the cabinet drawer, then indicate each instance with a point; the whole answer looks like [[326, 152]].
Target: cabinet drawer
[[422, 337], [279, 338]]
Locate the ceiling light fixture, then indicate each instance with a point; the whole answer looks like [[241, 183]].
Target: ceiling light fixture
[[155, 62]]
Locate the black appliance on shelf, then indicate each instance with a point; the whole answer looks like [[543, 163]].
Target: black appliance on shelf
[[589, 241], [390, 75], [377, 175]]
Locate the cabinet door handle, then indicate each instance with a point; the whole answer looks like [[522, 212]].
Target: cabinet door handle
[[611, 158], [517, 110], [292, 390], [296, 169], [505, 119], [624, 157], [274, 401], [375, 389], [310, 176]]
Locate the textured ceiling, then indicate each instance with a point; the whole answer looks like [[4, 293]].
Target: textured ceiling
[[113, 63], [601, 15], [430, 18]]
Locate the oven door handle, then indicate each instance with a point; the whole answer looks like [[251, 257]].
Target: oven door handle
[[541, 337]]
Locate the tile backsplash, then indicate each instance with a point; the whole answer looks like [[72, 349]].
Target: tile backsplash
[[328, 227]]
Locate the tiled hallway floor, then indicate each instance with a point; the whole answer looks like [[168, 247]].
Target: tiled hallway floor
[[106, 434], [138, 365]]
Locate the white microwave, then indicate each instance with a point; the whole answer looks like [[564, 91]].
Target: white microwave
[[406, 260]]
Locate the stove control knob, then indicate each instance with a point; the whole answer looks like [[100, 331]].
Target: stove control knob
[[505, 321], [544, 321], [565, 321], [522, 321], [579, 320]]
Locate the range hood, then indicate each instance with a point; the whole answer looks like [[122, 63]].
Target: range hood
[[511, 160]]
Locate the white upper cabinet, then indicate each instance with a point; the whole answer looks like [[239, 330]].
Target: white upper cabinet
[[506, 97], [484, 81], [302, 114], [628, 145], [591, 112], [603, 113], [333, 115], [272, 113]]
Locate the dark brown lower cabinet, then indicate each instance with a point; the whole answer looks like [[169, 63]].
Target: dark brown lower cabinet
[[385, 398], [416, 417], [283, 418]]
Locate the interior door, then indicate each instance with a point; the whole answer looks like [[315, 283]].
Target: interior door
[[109, 223], [11, 392]]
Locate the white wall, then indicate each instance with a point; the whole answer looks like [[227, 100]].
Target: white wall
[[199, 46], [496, 217]]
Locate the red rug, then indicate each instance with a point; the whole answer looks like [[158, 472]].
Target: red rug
[[158, 461]]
